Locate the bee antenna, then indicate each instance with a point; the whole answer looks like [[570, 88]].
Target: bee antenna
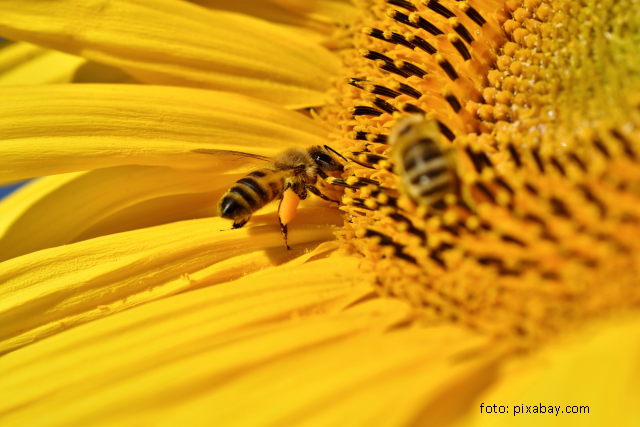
[[338, 154]]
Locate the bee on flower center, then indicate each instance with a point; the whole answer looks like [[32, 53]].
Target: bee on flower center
[[427, 169]]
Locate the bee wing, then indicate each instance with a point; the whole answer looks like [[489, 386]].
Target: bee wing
[[238, 155]]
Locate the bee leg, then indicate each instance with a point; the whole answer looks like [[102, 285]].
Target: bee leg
[[317, 192], [283, 228], [239, 223], [303, 194]]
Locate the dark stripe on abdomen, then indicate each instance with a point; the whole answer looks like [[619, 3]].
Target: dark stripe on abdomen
[[263, 193], [433, 190], [270, 184], [425, 150], [244, 191], [431, 173]]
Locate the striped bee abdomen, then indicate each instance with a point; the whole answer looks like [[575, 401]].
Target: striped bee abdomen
[[250, 194], [429, 174]]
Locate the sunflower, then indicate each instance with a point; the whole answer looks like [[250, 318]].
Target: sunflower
[[125, 300]]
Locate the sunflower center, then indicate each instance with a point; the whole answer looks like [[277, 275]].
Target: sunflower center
[[539, 103]]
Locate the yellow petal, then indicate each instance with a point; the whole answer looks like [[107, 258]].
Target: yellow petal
[[371, 379], [50, 67], [286, 12], [590, 379], [92, 72], [57, 210], [156, 211], [25, 63], [204, 357], [295, 14], [46, 130], [334, 10], [188, 326], [18, 53], [53, 289], [172, 42]]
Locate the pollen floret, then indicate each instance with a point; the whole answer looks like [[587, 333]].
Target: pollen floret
[[540, 101]]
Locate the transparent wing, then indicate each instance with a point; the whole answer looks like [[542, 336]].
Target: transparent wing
[[239, 155]]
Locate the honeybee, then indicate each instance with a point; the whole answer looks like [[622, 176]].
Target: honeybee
[[288, 177], [428, 170]]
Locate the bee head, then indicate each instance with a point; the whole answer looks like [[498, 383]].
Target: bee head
[[325, 160]]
